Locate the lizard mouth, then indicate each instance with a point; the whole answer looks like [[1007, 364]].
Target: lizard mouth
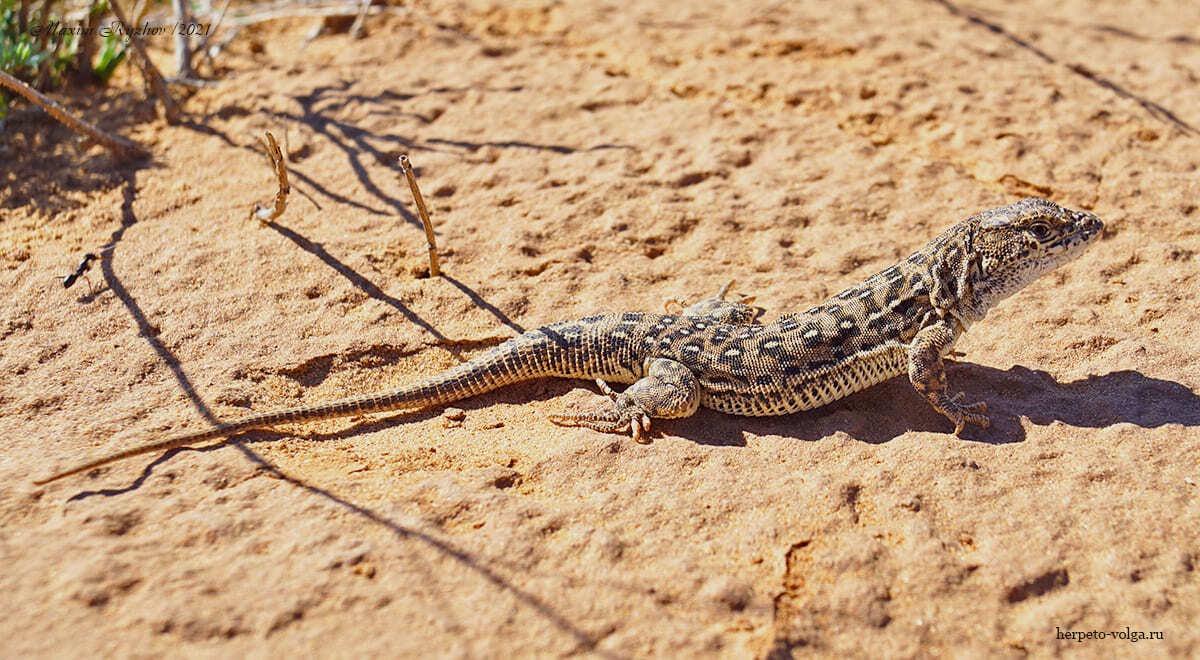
[[1088, 230]]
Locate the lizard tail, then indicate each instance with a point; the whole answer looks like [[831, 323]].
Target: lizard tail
[[528, 356]]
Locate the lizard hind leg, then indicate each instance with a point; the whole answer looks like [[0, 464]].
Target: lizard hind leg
[[719, 310], [669, 390]]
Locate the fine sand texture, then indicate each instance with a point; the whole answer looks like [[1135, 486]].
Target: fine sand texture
[[579, 158]]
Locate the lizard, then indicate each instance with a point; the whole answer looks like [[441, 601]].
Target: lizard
[[902, 320]]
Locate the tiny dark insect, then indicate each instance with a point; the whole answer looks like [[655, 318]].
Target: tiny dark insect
[[69, 280]]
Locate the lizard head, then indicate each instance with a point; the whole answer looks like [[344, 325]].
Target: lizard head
[[1016, 244]]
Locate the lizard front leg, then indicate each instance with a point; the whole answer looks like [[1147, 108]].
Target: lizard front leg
[[669, 390], [928, 376]]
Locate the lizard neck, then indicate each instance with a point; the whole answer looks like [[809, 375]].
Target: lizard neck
[[953, 268]]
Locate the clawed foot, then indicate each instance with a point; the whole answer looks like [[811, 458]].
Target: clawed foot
[[964, 413], [623, 416]]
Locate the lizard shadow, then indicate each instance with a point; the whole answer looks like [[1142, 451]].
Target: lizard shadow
[[891, 409], [240, 440], [888, 410]]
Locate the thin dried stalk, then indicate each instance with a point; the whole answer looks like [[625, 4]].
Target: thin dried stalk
[[157, 85], [43, 20], [87, 45], [202, 47], [183, 46], [139, 14], [263, 213], [303, 12], [359, 29], [430, 241], [120, 146]]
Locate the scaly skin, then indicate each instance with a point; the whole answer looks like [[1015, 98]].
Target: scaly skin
[[902, 320]]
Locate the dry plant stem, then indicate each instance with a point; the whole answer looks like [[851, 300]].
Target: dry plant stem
[[430, 241], [86, 48], [120, 146], [351, 10], [42, 20], [274, 10], [358, 30], [216, 49], [202, 47], [265, 214], [183, 46], [157, 84], [140, 13]]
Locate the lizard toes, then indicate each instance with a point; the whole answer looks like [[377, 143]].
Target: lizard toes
[[639, 425], [599, 423], [606, 390], [978, 408], [964, 415], [635, 430]]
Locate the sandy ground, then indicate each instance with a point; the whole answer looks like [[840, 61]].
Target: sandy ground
[[581, 158]]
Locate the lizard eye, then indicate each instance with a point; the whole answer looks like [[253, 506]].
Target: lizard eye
[[1040, 230]]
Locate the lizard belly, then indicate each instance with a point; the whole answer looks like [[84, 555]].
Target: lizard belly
[[801, 387]]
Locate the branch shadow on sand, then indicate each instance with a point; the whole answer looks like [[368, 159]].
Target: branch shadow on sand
[[319, 112], [1156, 110], [359, 281], [362, 283], [584, 641], [146, 329]]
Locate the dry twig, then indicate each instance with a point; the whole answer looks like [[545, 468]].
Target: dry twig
[[303, 12], [430, 242], [183, 44], [203, 45], [265, 214], [120, 146], [359, 29], [157, 84]]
